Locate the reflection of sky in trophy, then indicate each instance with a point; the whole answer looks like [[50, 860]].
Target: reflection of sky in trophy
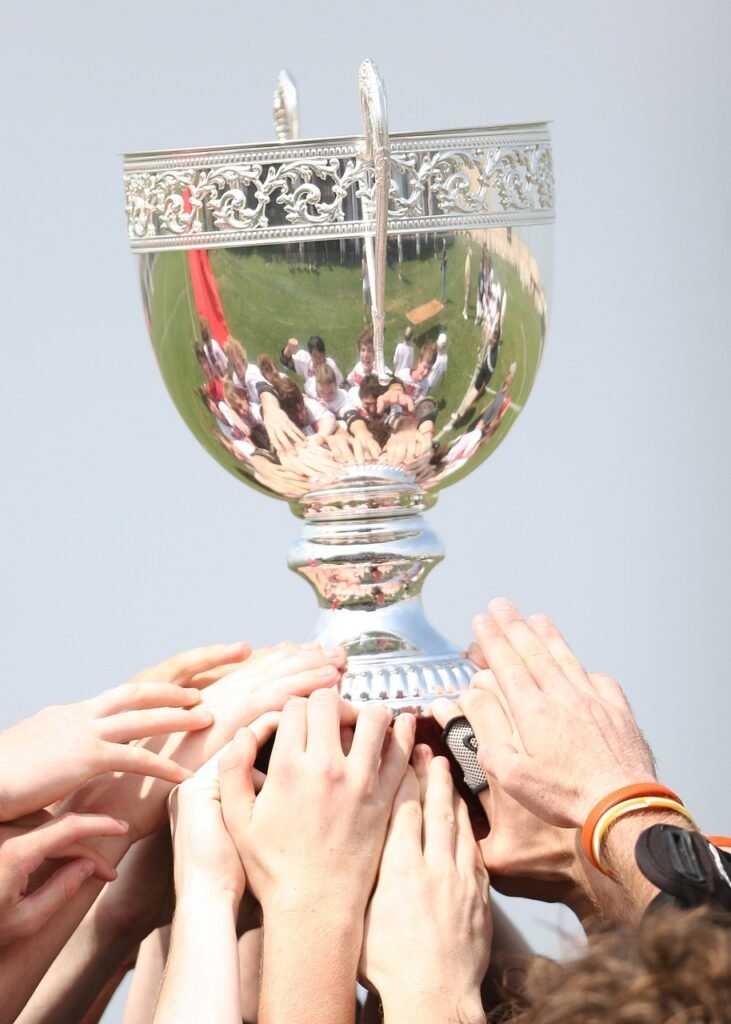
[[268, 353]]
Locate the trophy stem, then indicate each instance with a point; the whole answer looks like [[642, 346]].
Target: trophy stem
[[366, 550]]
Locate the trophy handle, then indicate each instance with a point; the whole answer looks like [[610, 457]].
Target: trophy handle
[[286, 108], [377, 150]]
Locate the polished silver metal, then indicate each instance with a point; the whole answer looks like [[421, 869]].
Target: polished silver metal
[[377, 151], [286, 108], [417, 265], [252, 195]]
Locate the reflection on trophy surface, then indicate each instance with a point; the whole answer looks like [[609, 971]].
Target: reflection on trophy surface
[[349, 325]]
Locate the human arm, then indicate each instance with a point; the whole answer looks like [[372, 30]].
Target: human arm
[[287, 352], [366, 448], [311, 842], [48, 756], [127, 910], [283, 434], [557, 739], [147, 977], [201, 980], [261, 683], [431, 870]]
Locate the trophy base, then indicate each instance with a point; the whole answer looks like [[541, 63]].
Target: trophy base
[[394, 656], [367, 550]]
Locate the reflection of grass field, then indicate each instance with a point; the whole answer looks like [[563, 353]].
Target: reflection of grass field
[[266, 298]]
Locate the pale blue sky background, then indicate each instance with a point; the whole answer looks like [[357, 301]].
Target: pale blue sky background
[[607, 507]]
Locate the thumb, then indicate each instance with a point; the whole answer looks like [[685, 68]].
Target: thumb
[[35, 910], [236, 781]]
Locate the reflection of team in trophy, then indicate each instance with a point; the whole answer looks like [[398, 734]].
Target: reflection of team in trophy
[[294, 418], [288, 431]]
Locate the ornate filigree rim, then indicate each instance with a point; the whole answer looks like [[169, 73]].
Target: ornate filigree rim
[[324, 189]]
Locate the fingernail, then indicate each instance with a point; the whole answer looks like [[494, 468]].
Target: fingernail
[[500, 604], [539, 618], [123, 824], [326, 673], [86, 869], [193, 695], [237, 646], [202, 714]]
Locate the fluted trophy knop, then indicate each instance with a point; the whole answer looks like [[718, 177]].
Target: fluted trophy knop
[[351, 324]]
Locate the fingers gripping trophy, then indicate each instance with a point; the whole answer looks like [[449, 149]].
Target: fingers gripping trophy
[[349, 325]]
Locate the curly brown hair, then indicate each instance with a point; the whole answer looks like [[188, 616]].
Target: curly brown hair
[[674, 968]]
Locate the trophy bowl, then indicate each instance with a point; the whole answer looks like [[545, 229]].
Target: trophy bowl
[[349, 325]]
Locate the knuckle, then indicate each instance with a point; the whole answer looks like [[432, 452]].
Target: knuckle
[[11, 855]]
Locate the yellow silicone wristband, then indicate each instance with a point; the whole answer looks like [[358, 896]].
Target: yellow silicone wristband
[[639, 803]]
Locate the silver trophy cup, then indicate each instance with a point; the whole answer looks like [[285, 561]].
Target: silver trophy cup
[[349, 325]]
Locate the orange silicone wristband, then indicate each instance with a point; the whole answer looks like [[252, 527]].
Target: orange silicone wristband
[[618, 796]]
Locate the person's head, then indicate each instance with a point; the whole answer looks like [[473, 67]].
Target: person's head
[[236, 399], [268, 368], [316, 348], [442, 342], [202, 358], [409, 335], [509, 376], [237, 357], [205, 332], [291, 400], [370, 390], [209, 401], [366, 352], [674, 966], [326, 383], [426, 360]]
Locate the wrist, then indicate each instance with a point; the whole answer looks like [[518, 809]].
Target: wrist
[[439, 1006], [199, 891]]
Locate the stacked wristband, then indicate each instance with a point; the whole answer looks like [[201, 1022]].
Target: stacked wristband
[[642, 796]]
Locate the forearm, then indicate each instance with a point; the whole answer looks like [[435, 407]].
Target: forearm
[[77, 976], [201, 981], [433, 1005], [309, 967], [147, 977], [625, 897], [24, 963]]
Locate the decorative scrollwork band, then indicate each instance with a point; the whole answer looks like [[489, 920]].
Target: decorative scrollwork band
[[295, 191]]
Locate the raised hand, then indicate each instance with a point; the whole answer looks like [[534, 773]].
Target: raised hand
[[311, 843], [578, 737], [316, 830], [205, 858], [24, 849], [198, 667], [262, 683], [283, 434], [201, 979], [430, 900], [524, 855], [47, 756]]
